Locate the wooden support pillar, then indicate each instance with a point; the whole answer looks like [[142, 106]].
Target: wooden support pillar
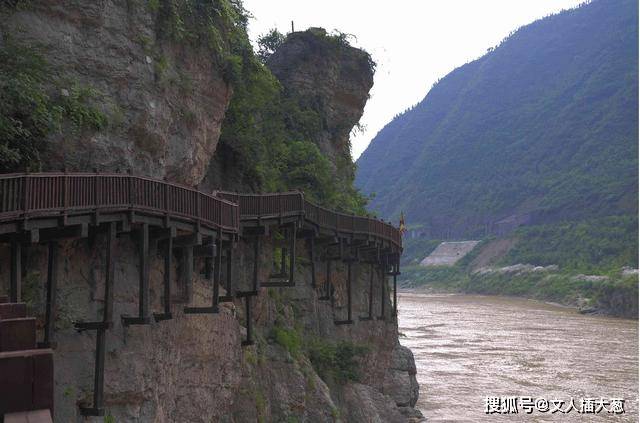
[[291, 251], [349, 320], [383, 288], [98, 384], [143, 303], [52, 279], [349, 291], [229, 274], [327, 282], [110, 274], [16, 271], [168, 261], [256, 261], [143, 285], [396, 270], [372, 271], [292, 258], [215, 274], [369, 315], [312, 258]]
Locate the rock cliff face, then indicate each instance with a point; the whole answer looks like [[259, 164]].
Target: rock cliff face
[[331, 76], [164, 100], [192, 368]]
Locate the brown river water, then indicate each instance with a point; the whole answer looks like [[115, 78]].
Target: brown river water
[[468, 348]]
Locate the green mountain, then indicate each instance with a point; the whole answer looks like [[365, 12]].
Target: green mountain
[[541, 130]]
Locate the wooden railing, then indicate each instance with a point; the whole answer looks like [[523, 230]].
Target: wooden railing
[[286, 204], [42, 194], [37, 194]]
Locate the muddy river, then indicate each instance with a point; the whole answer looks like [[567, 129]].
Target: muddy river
[[470, 348]]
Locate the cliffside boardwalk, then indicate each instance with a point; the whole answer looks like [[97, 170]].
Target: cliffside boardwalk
[[49, 207]]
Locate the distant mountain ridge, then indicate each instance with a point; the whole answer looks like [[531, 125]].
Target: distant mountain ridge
[[543, 128]]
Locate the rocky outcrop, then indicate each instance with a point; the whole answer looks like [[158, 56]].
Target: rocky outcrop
[[164, 100], [401, 383], [326, 74]]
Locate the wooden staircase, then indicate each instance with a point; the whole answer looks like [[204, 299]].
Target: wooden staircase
[[26, 372]]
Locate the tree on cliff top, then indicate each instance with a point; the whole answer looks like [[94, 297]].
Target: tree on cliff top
[[269, 43]]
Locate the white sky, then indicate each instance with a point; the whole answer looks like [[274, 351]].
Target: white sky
[[414, 42]]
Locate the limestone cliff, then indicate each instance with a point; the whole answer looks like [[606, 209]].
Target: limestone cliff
[[166, 101], [332, 77]]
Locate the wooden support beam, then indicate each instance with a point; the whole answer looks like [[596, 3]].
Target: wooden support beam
[[168, 262], [349, 293], [217, 273], [16, 272], [291, 251], [256, 261], [395, 296], [370, 299], [292, 258], [98, 384], [348, 321], [216, 251], [312, 259], [52, 283], [383, 290], [143, 317], [327, 283]]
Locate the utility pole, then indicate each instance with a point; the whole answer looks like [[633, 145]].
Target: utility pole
[[292, 30]]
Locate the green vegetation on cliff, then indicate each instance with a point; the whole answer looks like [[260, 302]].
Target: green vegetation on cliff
[[268, 132], [34, 103]]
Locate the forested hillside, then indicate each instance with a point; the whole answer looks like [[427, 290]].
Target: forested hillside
[[541, 129]]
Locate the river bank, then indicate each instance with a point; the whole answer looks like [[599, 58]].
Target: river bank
[[468, 347], [612, 295]]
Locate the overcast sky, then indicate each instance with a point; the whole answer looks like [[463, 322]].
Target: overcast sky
[[414, 42]]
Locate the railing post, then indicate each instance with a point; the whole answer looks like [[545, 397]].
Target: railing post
[[198, 208], [219, 222], [165, 187], [130, 187], [25, 194], [96, 196], [96, 189], [65, 195]]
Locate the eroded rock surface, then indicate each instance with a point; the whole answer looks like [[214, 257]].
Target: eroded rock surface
[[331, 77], [164, 101]]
